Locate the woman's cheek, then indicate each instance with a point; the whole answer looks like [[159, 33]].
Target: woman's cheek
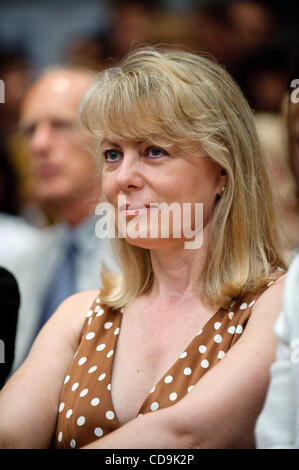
[[108, 188]]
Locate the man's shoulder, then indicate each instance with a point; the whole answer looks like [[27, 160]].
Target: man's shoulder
[[16, 235]]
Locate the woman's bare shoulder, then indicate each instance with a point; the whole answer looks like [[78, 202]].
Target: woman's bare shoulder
[[72, 312], [66, 322], [79, 302]]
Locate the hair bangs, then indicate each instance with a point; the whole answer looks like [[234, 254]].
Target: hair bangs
[[137, 106]]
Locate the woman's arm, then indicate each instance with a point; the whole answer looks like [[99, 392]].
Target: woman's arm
[[222, 409], [29, 401]]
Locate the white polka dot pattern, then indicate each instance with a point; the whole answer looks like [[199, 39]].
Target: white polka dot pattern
[[154, 406], [109, 415], [73, 443], [168, 379], [98, 432], [85, 408], [95, 401], [81, 421]]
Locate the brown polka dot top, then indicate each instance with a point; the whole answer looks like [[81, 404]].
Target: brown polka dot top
[[86, 411]]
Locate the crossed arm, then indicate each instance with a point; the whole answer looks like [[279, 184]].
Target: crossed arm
[[220, 412]]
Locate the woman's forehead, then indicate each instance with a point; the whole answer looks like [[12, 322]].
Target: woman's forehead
[[111, 138], [117, 141]]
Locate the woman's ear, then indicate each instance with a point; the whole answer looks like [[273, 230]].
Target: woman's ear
[[222, 183]]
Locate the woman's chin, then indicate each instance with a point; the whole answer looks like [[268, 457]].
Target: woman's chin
[[154, 243]]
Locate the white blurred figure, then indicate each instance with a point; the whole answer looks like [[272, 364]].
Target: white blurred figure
[[278, 425]]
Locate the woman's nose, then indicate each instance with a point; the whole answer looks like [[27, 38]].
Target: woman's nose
[[129, 175]]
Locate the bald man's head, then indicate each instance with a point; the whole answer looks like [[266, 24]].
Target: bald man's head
[[63, 171], [66, 83]]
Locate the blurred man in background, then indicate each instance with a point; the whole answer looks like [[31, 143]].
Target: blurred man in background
[[65, 179]]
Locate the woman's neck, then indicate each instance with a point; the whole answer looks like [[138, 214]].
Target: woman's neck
[[177, 271]]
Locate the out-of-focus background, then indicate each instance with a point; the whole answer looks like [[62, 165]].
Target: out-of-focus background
[[257, 42]]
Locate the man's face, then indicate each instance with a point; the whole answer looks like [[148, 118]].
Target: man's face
[[62, 169]]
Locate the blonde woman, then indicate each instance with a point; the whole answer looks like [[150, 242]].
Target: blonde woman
[[174, 352]]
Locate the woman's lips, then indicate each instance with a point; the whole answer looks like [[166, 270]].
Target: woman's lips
[[132, 210], [135, 212]]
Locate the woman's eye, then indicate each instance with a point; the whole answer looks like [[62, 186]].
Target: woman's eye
[[155, 152], [112, 155]]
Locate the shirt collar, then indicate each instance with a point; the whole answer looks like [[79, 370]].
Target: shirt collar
[[83, 235]]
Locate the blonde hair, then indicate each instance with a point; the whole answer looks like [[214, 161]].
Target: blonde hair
[[174, 97], [291, 114]]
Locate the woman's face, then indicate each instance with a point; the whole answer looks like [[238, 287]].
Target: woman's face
[[148, 175]]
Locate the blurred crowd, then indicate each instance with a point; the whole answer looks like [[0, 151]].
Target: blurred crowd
[[245, 36]]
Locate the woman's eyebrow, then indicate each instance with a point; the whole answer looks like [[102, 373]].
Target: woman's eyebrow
[[109, 142], [115, 144]]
